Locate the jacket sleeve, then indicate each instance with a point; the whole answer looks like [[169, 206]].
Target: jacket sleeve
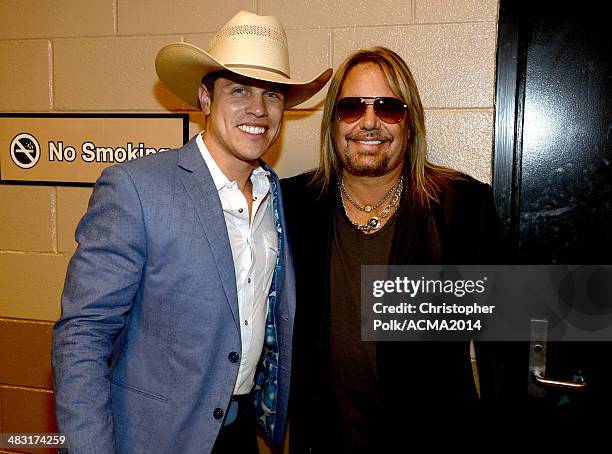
[[102, 279], [502, 365]]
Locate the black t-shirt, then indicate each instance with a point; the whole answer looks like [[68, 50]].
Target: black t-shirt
[[353, 362]]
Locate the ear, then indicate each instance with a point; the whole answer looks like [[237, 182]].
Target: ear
[[204, 98]]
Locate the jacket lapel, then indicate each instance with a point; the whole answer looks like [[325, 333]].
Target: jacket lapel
[[200, 186], [408, 234]]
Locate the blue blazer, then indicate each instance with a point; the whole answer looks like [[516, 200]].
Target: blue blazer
[[150, 315]]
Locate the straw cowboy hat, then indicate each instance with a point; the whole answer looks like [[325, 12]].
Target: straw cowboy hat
[[249, 45]]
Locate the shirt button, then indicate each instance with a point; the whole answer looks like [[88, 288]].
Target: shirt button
[[218, 413], [246, 322], [249, 280], [233, 357], [240, 210]]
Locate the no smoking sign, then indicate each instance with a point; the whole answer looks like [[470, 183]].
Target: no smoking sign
[[74, 148], [25, 150]]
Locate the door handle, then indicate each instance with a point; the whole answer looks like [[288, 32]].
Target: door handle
[[558, 383], [538, 337]]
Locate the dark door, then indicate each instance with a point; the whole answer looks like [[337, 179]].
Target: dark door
[[553, 165]]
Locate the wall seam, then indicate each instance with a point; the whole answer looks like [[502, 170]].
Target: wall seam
[[54, 239], [51, 78], [394, 25], [196, 32], [115, 17], [332, 50], [27, 388], [159, 34], [25, 321], [43, 253], [460, 109], [330, 43]]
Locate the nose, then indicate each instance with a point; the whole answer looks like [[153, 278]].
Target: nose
[[369, 119], [257, 105]]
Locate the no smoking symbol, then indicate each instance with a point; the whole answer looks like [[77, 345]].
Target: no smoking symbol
[[25, 151]]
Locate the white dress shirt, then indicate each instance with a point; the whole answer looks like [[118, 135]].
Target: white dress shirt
[[254, 244]]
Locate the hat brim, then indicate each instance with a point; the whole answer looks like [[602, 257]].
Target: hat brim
[[181, 66]]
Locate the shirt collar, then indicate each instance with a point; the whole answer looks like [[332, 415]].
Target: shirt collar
[[219, 178]]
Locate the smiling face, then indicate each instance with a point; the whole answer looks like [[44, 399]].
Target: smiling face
[[369, 146], [243, 119]]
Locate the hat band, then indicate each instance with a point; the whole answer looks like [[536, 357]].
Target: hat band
[[264, 68]]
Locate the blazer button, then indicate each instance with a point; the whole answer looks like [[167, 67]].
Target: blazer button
[[218, 413], [233, 357]]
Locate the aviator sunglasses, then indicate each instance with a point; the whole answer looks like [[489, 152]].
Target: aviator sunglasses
[[389, 110]]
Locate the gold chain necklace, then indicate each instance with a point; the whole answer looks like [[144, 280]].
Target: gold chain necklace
[[368, 208], [375, 221]]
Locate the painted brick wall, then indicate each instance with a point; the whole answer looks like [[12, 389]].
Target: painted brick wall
[[97, 56]]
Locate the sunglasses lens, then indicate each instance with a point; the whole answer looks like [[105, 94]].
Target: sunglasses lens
[[350, 109], [389, 110]]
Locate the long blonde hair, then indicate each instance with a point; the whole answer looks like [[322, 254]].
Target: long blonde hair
[[426, 181]]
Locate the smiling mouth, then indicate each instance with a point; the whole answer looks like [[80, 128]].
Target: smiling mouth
[[256, 130], [369, 142]]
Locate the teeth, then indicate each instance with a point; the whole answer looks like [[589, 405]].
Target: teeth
[[370, 142], [252, 129]]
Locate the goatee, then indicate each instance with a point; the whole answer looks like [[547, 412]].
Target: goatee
[[352, 165]]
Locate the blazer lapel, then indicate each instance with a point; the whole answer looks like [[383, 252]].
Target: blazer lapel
[[200, 186]]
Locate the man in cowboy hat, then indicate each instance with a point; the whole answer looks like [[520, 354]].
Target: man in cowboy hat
[[177, 312]]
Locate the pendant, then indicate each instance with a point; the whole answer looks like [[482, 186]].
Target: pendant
[[367, 208], [374, 222]]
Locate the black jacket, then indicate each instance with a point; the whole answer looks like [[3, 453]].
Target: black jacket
[[417, 380]]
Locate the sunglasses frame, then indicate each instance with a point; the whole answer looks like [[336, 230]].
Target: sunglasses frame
[[364, 104]]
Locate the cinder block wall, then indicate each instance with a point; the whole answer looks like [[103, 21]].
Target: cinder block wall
[[97, 56]]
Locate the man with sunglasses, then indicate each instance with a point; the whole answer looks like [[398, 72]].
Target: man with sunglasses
[[376, 200]]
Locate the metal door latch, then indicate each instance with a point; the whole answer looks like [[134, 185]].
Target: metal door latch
[[538, 335]]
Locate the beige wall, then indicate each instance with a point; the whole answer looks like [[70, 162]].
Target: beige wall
[[97, 56]]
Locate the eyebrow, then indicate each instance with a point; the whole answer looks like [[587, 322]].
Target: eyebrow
[[276, 88]]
